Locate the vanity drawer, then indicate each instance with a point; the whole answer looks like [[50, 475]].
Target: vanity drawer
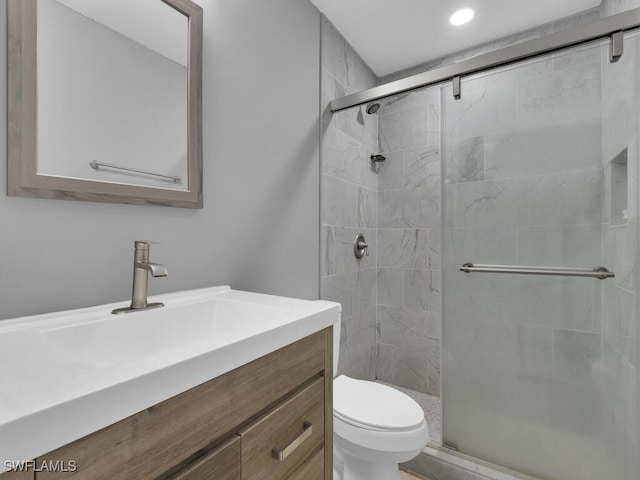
[[293, 431], [223, 463], [152, 442]]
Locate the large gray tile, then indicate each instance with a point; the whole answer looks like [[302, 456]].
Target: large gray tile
[[563, 147], [576, 356], [390, 287], [403, 248], [561, 246], [561, 96], [404, 327], [390, 172], [406, 367], [422, 290], [342, 156], [415, 207], [422, 168], [494, 204], [565, 199], [404, 130], [465, 160]]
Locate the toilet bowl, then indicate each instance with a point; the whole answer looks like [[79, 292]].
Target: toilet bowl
[[375, 426]]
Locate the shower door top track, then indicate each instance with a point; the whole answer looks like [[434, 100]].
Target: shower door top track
[[611, 26]]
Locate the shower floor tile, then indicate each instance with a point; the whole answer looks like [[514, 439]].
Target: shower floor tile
[[431, 407]]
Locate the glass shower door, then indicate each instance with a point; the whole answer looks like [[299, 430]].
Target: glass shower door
[[540, 372]]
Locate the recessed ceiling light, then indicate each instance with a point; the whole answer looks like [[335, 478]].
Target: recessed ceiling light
[[461, 16]]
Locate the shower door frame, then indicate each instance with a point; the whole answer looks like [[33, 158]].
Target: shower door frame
[[614, 26]]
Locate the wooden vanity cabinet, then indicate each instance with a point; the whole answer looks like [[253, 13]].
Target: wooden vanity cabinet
[[233, 427]]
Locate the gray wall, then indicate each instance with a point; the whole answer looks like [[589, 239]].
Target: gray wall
[[259, 228]]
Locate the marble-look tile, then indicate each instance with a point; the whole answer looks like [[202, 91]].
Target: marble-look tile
[[404, 327], [499, 203], [577, 56], [327, 251], [390, 172], [481, 245], [336, 289], [330, 88], [359, 75], [403, 248], [564, 199], [422, 168], [576, 356], [465, 160], [369, 171], [557, 97], [366, 280], [344, 260], [422, 289], [408, 100], [390, 287], [415, 207], [334, 198], [406, 367], [404, 130], [620, 322], [620, 96], [360, 343], [619, 253], [560, 246], [613, 7], [565, 147], [359, 125], [484, 108], [435, 241], [434, 123], [342, 156], [334, 52], [363, 202]]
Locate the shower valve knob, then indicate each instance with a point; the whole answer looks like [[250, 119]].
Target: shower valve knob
[[360, 246]]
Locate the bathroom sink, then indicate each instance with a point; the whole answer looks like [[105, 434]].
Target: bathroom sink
[[159, 333], [72, 373]]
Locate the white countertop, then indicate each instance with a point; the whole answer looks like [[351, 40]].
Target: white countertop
[[68, 374]]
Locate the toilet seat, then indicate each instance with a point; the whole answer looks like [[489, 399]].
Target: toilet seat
[[373, 406]]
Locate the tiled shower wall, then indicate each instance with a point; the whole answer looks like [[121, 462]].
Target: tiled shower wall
[[620, 363], [409, 280], [349, 203]]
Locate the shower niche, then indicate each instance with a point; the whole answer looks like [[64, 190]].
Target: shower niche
[[619, 189]]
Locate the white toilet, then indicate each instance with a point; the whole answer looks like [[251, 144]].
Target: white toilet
[[375, 427]]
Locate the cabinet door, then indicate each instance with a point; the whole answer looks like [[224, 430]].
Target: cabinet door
[[223, 463], [282, 442], [312, 470]]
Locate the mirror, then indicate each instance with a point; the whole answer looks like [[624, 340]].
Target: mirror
[[105, 100]]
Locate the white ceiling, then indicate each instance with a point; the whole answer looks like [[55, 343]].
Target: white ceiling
[[391, 35]]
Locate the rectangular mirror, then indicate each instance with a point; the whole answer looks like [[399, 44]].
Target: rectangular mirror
[[104, 101]]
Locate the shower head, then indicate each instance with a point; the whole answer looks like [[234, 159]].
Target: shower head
[[373, 108], [377, 158]]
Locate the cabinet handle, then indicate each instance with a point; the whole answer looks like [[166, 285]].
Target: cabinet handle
[[281, 453]]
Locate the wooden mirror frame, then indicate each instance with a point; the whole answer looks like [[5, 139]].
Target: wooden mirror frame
[[23, 179]]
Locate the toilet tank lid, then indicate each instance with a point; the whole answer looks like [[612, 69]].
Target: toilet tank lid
[[375, 405]]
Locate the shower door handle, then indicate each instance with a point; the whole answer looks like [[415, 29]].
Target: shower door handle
[[601, 273]]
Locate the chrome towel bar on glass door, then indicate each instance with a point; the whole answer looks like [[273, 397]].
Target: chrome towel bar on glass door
[[601, 273], [95, 164]]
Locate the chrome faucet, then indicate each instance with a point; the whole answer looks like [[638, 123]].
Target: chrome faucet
[[142, 267]]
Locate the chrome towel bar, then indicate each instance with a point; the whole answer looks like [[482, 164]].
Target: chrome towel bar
[[601, 273], [95, 164]]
